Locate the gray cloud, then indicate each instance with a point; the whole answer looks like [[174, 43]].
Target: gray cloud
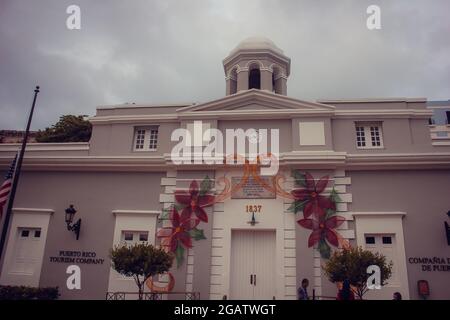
[[171, 51]]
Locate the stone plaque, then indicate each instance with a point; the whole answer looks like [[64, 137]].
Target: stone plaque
[[252, 189]]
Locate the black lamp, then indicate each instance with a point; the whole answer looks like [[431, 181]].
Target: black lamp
[[253, 221], [447, 229], [70, 214]]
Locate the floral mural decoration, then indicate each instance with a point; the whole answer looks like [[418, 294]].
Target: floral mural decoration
[[319, 211], [184, 227], [195, 200]]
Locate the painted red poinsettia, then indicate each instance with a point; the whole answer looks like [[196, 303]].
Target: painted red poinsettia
[[194, 202], [322, 229], [179, 232], [313, 201]]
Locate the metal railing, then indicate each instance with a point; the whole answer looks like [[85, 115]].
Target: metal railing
[[152, 295], [316, 297], [323, 298]]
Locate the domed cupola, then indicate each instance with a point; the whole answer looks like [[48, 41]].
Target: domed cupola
[[257, 63]]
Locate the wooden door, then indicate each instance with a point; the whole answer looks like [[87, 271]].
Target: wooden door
[[252, 264]]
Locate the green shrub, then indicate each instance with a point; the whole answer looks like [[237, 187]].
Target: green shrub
[[352, 264], [28, 293], [140, 261]]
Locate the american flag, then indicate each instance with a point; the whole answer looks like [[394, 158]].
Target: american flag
[[5, 189]]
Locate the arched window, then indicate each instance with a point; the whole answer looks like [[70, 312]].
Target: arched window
[[233, 81], [276, 80], [254, 77]]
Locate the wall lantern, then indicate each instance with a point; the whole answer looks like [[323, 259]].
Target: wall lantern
[[70, 214], [253, 221], [447, 229]]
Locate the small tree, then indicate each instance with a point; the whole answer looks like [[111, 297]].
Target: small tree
[[352, 264], [140, 261], [69, 128]]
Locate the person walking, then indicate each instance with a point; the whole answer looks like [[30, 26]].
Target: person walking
[[346, 292], [302, 291]]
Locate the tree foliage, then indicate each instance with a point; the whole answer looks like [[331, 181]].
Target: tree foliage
[[69, 128], [352, 264], [140, 261], [28, 293]]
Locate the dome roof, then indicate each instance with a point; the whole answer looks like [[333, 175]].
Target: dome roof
[[257, 43]]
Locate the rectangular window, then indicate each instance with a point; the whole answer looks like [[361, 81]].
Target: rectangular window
[[368, 135], [140, 137], [375, 136], [370, 240], [360, 137], [146, 139], [387, 240], [25, 233], [128, 236], [132, 237], [143, 237], [153, 141]]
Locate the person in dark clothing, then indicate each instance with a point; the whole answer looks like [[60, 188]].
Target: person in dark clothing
[[397, 296], [346, 292], [302, 291]]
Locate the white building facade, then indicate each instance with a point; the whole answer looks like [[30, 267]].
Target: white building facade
[[374, 158]]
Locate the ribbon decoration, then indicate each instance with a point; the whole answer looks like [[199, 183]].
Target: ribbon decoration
[[161, 289]]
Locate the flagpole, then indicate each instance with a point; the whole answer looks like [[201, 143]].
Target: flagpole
[[15, 181]]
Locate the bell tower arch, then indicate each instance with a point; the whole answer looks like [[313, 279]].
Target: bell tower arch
[[256, 63]]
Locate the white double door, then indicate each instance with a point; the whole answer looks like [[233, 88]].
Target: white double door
[[252, 264]]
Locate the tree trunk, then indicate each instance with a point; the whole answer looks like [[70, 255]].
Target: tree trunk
[[140, 285], [141, 292]]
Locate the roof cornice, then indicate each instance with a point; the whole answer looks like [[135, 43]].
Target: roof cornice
[[234, 57], [255, 114], [255, 95], [135, 119], [50, 146], [275, 113], [306, 159], [371, 100], [383, 113]]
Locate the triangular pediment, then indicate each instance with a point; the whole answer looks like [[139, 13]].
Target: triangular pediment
[[258, 100]]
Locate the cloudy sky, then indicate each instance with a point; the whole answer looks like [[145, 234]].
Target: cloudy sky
[[162, 51]]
